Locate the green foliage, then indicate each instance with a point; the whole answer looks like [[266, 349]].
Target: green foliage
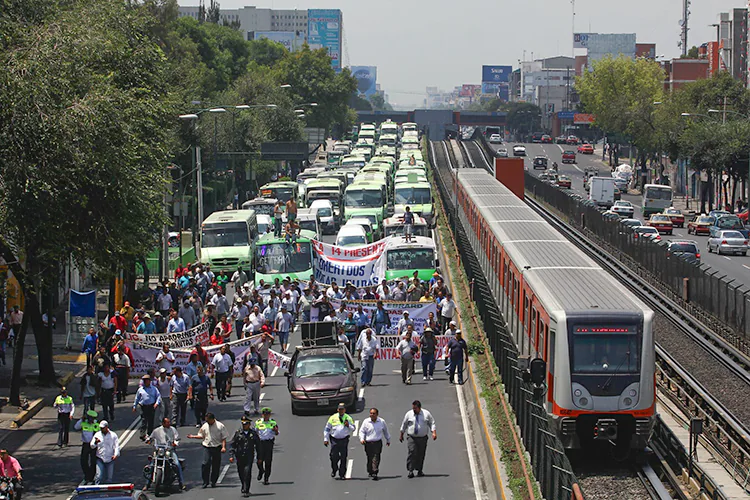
[[265, 52], [692, 53], [716, 146], [522, 116]]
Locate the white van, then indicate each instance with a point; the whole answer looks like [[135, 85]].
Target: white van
[[323, 210], [351, 236]]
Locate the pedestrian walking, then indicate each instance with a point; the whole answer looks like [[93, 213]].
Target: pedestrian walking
[[407, 349], [282, 326], [65, 409], [88, 389], [427, 346], [371, 434], [147, 399], [221, 363], [458, 352], [88, 425], [447, 309], [16, 320], [123, 364], [367, 348], [164, 386], [417, 425], [214, 440], [245, 446], [254, 380], [267, 429], [107, 386], [199, 392], [179, 386], [338, 429], [107, 446], [89, 346]]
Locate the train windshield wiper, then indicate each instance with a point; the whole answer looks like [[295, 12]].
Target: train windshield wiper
[[606, 384]]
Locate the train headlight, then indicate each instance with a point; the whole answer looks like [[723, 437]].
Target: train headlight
[[632, 393], [583, 401], [627, 401], [581, 397], [629, 396], [577, 393]]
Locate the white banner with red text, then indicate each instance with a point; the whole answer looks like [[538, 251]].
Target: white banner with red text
[[178, 340], [361, 265], [388, 343], [419, 312]]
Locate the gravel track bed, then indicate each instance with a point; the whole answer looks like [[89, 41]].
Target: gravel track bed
[[617, 483], [718, 380]]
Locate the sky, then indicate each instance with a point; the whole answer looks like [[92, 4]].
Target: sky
[[419, 43]]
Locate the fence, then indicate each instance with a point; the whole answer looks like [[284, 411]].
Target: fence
[[152, 261], [551, 466]]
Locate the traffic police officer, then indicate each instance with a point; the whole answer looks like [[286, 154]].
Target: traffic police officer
[[267, 429], [88, 425], [339, 428], [245, 444]]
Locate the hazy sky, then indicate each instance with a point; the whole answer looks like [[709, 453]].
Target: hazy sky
[[418, 43]]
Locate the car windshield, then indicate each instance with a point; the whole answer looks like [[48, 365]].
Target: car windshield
[[623, 204], [413, 195], [280, 258], [324, 212], [706, 220], [605, 350], [672, 211], [309, 225], [569, 153], [315, 366], [647, 230], [369, 198], [683, 247], [732, 234], [351, 240], [660, 218], [732, 222], [230, 234], [410, 258]]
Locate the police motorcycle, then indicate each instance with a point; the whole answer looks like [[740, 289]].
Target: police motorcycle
[[161, 470]]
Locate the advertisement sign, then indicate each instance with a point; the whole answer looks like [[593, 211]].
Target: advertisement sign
[[178, 340], [469, 90], [367, 77], [583, 118], [324, 31], [581, 40], [291, 40], [360, 265], [496, 74], [499, 90]]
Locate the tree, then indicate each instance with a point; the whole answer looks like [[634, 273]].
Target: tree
[[85, 119], [265, 52], [522, 117], [213, 14], [692, 53]]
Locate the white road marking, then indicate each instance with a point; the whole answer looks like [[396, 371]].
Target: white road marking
[[262, 395], [745, 266], [129, 432], [727, 258], [576, 167], [349, 467], [362, 392], [223, 473], [273, 372], [356, 427], [561, 148], [469, 448]]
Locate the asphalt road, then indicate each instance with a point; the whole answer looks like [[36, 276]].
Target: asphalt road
[[737, 267]]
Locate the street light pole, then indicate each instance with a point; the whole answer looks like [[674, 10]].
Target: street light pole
[[199, 175]]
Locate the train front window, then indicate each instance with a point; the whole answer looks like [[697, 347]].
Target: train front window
[[605, 350]]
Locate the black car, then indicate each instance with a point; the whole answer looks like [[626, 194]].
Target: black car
[[123, 491], [319, 378], [687, 250], [540, 162]]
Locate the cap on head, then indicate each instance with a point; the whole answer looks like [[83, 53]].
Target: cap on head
[[92, 414], [118, 332], [265, 410], [117, 313], [452, 323], [163, 370], [245, 420], [104, 423], [146, 377], [342, 406]]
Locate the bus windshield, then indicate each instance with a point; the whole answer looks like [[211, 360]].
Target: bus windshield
[[280, 193], [364, 198], [231, 234], [281, 258], [260, 208], [413, 195], [401, 259], [659, 193]]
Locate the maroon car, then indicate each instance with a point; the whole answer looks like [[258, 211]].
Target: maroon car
[[319, 378], [569, 157]]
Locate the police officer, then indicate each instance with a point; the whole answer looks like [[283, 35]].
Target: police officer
[[267, 429], [88, 425], [339, 428], [245, 444]]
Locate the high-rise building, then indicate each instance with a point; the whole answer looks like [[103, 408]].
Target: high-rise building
[[252, 19]]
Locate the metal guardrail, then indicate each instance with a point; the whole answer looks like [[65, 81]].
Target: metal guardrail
[[550, 463]]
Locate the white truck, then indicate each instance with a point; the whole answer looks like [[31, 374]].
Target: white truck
[[602, 191]]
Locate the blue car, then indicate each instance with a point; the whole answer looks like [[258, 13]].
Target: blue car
[[728, 222]]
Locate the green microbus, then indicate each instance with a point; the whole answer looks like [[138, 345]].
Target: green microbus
[[403, 258], [228, 239], [275, 258], [367, 199], [415, 195]]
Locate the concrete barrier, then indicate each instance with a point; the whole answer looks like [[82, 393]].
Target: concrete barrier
[[25, 415], [66, 379]]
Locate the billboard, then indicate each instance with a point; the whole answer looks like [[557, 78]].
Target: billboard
[[583, 118], [324, 31], [469, 90], [496, 74], [499, 90], [367, 78], [581, 40], [291, 40]]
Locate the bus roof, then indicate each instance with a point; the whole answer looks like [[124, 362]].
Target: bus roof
[[396, 242], [230, 216], [657, 186], [279, 184], [269, 238], [364, 185], [419, 184]]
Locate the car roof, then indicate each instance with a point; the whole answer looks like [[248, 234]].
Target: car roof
[[317, 203], [646, 228], [358, 221], [683, 242], [319, 350], [353, 229]]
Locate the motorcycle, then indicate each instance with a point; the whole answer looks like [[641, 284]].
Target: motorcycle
[[161, 471], [7, 488]]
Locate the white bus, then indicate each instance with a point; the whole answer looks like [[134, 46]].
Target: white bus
[[655, 199]]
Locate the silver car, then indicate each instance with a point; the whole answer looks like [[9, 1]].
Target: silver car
[[623, 208], [727, 242]]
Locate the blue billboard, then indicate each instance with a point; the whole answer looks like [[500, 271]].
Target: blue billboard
[[324, 31], [496, 74], [367, 77], [499, 90]]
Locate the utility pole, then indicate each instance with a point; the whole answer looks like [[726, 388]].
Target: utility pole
[[573, 53], [684, 25], [199, 174]]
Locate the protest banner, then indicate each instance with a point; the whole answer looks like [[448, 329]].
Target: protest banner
[[278, 360], [361, 265], [176, 340], [145, 355], [418, 311], [388, 343]]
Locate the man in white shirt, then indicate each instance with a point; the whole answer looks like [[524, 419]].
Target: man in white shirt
[[256, 318], [220, 303], [367, 348], [176, 324], [165, 359], [187, 313], [164, 301], [222, 363], [407, 348], [371, 434], [239, 278], [164, 385], [282, 326], [240, 311], [214, 436], [290, 303], [417, 424], [403, 323], [447, 309], [167, 436], [107, 447]]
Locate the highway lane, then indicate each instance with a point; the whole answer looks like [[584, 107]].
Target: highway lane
[[737, 267]]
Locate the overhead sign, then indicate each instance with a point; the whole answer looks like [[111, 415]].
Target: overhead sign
[[566, 115], [324, 31], [360, 265], [496, 74], [284, 151], [367, 78], [583, 118], [581, 40], [291, 40]]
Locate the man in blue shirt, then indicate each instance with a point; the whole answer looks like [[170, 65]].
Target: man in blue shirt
[[361, 319], [147, 326], [89, 345], [148, 398], [380, 319]]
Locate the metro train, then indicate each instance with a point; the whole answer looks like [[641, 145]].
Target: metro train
[[559, 305]]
